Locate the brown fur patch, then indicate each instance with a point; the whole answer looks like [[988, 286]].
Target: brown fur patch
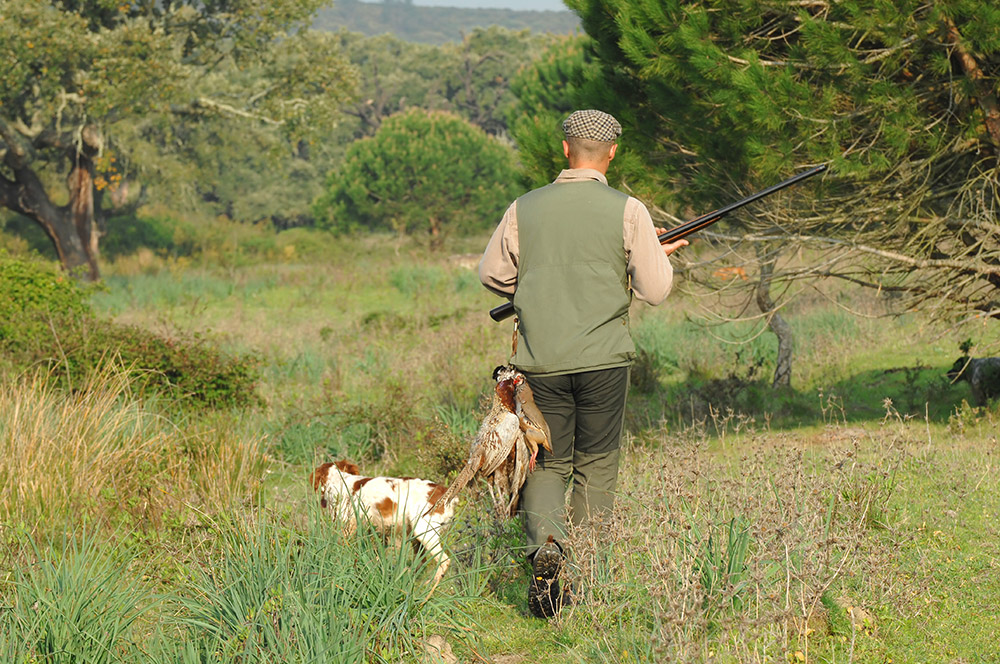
[[387, 508], [318, 476], [360, 483], [434, 496], [348, 467]]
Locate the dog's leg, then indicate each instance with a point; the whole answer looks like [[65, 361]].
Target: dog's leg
[[441, 569], [344, 513], [426, 532]]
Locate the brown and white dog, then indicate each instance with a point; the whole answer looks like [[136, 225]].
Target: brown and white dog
[[395, 506]]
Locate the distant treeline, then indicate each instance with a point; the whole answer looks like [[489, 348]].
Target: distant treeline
[[437, 25]]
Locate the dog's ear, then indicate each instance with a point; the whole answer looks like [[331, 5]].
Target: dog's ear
[[318, 477], [347, 467]]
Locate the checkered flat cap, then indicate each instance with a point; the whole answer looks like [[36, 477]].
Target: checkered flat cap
[[592, 125]]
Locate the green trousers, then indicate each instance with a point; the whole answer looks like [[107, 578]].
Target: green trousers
[[585, 412]]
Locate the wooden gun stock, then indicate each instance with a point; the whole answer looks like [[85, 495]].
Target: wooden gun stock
[[506, 309]]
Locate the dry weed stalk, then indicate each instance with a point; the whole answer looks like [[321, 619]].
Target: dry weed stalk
[[728, 552]]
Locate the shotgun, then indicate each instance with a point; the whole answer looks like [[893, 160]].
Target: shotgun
[[506, 309]]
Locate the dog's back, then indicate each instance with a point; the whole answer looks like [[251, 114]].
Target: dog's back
[[388, 502]]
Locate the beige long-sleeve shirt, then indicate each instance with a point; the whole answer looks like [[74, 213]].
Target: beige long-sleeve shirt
[[649, 270]]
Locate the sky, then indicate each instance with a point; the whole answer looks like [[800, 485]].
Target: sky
[[551, 5]]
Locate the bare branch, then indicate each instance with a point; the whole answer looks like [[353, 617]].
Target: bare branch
[[204, 103]]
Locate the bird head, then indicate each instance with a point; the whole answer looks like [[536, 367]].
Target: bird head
[[503, 372]]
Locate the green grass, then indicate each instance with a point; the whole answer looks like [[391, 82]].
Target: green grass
[[848, 519], [77, 603], [263, 591]]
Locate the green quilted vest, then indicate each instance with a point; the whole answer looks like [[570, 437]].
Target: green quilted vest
[[572, 293]]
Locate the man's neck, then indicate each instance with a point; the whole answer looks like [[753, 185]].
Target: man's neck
[[602, 168]]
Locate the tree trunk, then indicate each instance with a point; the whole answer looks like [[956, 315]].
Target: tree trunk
[[437, 238], [71, 228], [777, 324], [984, 91]]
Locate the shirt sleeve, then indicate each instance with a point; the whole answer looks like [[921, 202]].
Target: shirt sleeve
[[649, 269], [498, 266]]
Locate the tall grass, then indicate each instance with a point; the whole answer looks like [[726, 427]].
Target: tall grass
[[306, 594], [99, 454]]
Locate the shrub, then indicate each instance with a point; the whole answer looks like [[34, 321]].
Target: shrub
[[187, 368], [46, 320], [422, 171], [30, 296]]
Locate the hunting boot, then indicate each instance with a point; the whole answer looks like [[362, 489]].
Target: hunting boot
[[544, 600]]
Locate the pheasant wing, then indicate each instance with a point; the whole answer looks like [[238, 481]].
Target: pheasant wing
[[497, 438]]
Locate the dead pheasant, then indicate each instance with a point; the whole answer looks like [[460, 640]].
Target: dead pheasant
[[500, 450], [533, 424]]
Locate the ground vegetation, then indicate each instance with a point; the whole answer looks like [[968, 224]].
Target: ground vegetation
[[844, 520]]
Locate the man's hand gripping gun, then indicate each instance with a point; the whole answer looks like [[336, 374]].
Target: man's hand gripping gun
[[506, 309]]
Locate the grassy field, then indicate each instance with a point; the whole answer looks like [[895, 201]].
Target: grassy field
[[849, 519]]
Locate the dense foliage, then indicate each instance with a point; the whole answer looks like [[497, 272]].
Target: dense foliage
[[94, 93], [420, 172], [46, 320], [899, 96], [471, 78]]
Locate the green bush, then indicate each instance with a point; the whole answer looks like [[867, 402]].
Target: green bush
[[430, 172], [188, 368], [46, 320], [31, 296]]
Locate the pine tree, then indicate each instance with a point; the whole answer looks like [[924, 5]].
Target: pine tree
[[421, 172], [720, 98]]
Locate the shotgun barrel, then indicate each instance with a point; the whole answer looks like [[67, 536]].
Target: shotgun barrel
[[506, 309]]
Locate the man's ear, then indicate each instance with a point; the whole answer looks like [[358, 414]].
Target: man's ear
[[611, 153], [566, 149]]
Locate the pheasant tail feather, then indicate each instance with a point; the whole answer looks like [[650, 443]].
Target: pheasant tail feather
[[464, 477]]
